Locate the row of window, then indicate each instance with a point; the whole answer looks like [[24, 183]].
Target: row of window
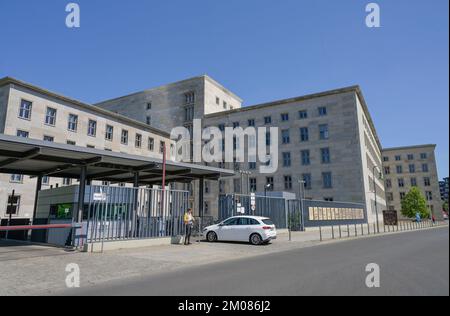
[[224, 104], [402, 195], [413, 182], [73, 122], [288, 183], [411, 168], [409, 157]]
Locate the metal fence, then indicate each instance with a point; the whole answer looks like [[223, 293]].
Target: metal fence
[[281, 211], [121, 213]]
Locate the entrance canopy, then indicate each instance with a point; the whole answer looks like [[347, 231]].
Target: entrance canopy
[[39, 158]]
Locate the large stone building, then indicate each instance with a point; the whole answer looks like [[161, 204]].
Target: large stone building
[[30, 111], [326, 139], [407, 167]]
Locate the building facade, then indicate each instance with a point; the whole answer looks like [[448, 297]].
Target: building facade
[[327, 140], [32, 112], [407, 167]]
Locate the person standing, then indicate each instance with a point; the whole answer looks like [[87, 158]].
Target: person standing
[[189, 224]]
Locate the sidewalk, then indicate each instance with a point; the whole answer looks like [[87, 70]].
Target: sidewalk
[[43, 273]]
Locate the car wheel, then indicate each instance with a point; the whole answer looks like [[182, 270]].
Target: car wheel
[[256, 239], [211, 237]]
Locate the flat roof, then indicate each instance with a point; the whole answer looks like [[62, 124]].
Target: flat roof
[[12, 81], [31, 157], [410, 147]]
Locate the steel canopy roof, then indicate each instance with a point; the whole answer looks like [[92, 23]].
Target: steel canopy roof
[[40, 158]]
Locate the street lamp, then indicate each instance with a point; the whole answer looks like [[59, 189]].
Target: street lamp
[[267, 187], [375, 191], [302, 185]]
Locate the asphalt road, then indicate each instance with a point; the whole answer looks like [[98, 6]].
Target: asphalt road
[[413, 263]]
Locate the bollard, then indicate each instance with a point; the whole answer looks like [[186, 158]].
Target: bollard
[[348, 230], [368, 228], [340, 231], [320, 232], [362, 229], [356, 231], [332, 231]]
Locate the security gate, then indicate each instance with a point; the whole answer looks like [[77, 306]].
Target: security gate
[[120, 213], [281, 211]]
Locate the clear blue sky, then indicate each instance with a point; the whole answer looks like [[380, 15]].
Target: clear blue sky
[[262, 50]]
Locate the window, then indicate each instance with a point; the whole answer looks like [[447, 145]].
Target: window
[[323, 111], [138, 141], [410, 157], [387, 170], [252, 165], [45, 180], [285, 135], [306, 157], [189, 113], [302, 115], [149, 106], [401, 183], [427, 181], [270, 183], [71, 142], [429, 195], [304, 134], [49, 139], [388, 183], [162, 147], [237, 185], [413, 182], [423, 156], [251, 122], [72, 123], [286, 160], [307, 179], [402, 196], [425, 167], [16, 178], [13, 205], [109, 134], [222, 127], [268, 120], [124, 137], [323, 132], [268, 139], [217, 100], [25, 109], [23, 134], [206, 183], [385, 159], [253, 185], [235, 124], [189, 97], [328, 199], [225, 105], [325, 153], [206, 208], [151, 144], [399, 169], [398, 158], [412, 168], [288, 182], [327, 180], [50, 117], [92, 128], [90, 146], [390, 196], [284, 117], [148, 120], [221, 186], [67, 181]]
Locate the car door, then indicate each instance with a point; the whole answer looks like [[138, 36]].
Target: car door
[[227, 231], [243, 230]]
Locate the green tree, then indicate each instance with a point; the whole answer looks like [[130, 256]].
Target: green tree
[[445, 207], [413, 203]]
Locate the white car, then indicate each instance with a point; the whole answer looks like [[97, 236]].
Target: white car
[[253, 229]]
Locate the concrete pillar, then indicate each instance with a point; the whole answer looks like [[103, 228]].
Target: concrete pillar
[[81, 194], [38, 188], [201, 200]]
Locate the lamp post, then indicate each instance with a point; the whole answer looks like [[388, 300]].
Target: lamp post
[[375, 191], [302, 184]]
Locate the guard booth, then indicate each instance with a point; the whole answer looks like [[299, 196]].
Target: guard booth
[[131, 208]]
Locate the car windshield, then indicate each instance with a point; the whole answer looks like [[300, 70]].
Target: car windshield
[[267, 221]]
